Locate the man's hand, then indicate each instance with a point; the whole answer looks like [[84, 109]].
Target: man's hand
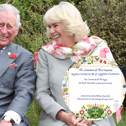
[[4, 123], [72, 120]]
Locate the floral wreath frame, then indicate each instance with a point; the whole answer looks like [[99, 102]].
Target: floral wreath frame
[[92, 111]]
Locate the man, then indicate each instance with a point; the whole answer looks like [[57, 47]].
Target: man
[[17, 75]]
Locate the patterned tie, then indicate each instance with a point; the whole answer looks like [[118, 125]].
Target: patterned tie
[[0, 50]]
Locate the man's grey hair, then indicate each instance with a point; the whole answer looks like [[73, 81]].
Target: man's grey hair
[[11, 8]]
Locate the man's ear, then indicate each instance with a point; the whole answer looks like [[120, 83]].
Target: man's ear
[[18, 30]]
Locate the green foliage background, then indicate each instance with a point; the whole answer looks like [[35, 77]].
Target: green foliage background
[[105, 18]]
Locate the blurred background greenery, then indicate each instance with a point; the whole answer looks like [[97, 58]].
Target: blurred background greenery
[[105, 18]]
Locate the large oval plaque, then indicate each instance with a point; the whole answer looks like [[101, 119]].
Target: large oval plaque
[[93, 88]]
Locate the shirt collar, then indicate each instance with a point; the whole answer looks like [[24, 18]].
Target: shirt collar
[[3, 49]]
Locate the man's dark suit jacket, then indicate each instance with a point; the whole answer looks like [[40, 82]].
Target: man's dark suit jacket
[[123, 69], [17, 85]]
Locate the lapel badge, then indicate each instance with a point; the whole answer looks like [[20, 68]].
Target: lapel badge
[[13, 56]]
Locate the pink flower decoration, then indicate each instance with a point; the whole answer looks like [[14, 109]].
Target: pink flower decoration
[[91, 47], [118, 113], [109, 112], [13, 56], [36, 58], [104, 62], [100, 61], [103, 52], [81, 112], [86, 39], [51, 43]]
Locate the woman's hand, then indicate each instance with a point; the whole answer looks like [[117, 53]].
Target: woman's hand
[[72, 120], [83, 122]]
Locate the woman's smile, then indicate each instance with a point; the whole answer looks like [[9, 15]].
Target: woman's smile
[[57, 33]]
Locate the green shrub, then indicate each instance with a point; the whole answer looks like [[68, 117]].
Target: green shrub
[[105, 18]]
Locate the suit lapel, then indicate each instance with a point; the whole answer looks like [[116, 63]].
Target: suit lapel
[[5, 61]]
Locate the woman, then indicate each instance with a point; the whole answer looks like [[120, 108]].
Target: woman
[[68, 30]]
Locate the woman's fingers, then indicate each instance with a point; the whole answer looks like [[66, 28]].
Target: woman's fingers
[[86, 121], [78, 120], [83, 122]]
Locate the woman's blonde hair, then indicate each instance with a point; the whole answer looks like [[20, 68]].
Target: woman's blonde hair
[[70, 18]]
